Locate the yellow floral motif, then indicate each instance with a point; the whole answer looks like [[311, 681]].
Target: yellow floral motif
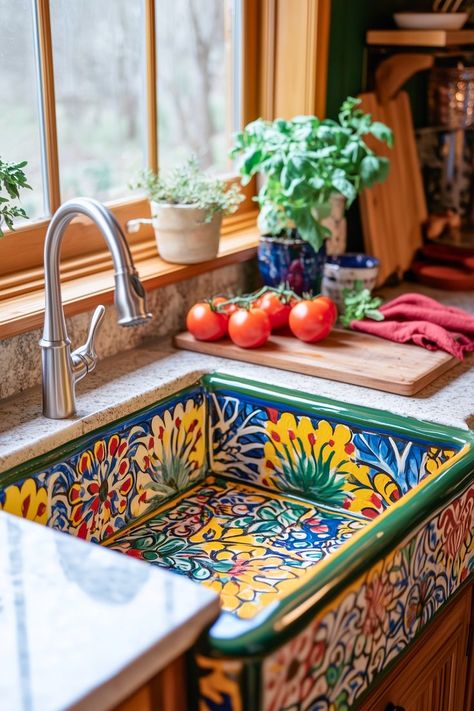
[[219, 683], [27, 501], [171, 457], [254, 580], [98, 496], [436, 457], [250, 548], [371, 494], [318, 461]]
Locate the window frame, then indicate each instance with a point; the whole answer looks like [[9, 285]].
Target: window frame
[[86, 267], [21, 250]]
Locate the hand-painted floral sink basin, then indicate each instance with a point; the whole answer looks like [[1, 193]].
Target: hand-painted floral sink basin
[[332, 533]]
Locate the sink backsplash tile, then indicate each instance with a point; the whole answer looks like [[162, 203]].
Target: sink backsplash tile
[[117, 474], [336, 464], [20, 357], [97, 485]]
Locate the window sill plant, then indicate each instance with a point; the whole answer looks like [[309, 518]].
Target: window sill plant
[[12, 180], [187, 207], [307, 163]]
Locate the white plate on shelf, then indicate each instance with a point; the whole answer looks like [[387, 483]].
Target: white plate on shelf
[[430, 20]]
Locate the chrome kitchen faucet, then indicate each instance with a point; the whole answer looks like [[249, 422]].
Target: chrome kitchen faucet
[[61, 368]]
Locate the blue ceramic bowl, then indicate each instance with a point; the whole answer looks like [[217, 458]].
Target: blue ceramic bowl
[[343, 271], [292, 261]]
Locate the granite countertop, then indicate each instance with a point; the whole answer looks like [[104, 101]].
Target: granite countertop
[[141, 376], [81, 626]]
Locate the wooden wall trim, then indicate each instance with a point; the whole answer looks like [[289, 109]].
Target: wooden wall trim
[[48, 102], [267, 59], [151, 85], [323, 25], [82, 291], [294, 57]]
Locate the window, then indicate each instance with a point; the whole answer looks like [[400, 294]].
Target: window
[[198, 52], [91, 92], [100, 83], [20, 134]]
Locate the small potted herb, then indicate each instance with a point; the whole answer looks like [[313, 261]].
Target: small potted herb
[[12, 181], [187, 207], [310, 168]]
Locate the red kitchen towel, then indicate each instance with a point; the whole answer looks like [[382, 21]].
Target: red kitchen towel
[[425, 322]]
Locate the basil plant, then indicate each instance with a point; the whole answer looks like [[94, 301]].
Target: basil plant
[[306, 160]]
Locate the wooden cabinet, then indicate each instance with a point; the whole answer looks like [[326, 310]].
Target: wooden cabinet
[[166, 692], [436, 673], [433, 675]]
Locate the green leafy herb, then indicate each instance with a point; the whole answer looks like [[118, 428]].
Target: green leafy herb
[[188, 185], [12, 181], [305, 161], [359, 304]]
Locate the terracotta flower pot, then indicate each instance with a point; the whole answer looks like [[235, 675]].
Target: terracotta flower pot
[[182, 234]]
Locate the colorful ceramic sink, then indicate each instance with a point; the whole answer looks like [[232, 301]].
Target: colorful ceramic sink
[[332, 533]]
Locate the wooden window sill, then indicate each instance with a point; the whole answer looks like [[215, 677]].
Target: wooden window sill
[[22, 312]]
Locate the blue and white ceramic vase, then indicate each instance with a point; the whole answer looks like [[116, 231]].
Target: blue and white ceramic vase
[[291, 261]]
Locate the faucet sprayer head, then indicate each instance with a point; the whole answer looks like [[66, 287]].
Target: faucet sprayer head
[[130, 299]]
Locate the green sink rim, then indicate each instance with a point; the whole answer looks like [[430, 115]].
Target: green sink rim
[[377, 539]]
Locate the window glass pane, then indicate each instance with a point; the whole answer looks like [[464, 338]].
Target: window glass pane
[[19, 118], [99, 64], [198, 56]]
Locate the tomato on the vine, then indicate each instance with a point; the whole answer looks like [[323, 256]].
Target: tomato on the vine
[[249, 328], [205, 323], [311, 320], [226, 310], [278, 311]]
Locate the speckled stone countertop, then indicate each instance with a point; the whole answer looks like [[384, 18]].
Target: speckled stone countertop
[[81, 626], [140, 377]]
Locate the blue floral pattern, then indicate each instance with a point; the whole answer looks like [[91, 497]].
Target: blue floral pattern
[[250, 546]]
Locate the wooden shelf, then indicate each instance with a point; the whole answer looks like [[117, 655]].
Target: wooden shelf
[[25, 312], [420, 38]]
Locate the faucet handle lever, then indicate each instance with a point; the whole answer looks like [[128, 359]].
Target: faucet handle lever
[[84, 358], [95, 324]]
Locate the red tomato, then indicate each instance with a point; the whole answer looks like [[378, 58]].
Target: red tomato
[[277, 311], [311, 320], [227, 310], [206, 324], [332, 306], [249, 329]]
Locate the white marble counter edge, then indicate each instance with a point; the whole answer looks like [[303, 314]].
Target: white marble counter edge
[[135, 666], [148, 664]]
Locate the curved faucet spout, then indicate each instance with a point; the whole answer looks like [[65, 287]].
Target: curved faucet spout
[[61, 369], [129, 293]]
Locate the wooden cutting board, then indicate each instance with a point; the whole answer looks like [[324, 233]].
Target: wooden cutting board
[[345, 356]]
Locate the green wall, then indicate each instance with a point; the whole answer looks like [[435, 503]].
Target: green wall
[[350, 20]]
